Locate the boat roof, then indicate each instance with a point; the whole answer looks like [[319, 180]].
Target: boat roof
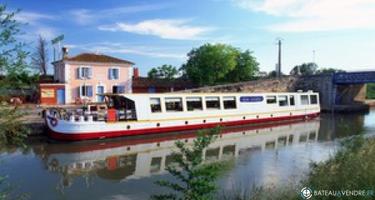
[[174, 94]]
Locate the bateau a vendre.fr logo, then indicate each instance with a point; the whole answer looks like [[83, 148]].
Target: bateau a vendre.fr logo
[[307, 193]]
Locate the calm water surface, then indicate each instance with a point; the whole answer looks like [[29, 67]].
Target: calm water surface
[[126, 168]]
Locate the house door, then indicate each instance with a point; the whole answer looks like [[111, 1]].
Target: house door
[[100, 90], [60, 96]]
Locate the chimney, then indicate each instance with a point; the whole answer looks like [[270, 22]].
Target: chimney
[[65, 51], [135, 72]]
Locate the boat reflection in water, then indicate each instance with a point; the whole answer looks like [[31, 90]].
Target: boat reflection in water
[[134, 158]]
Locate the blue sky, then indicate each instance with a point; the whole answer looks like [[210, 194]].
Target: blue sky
[[152, 33]]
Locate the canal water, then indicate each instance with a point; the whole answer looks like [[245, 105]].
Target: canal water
[[126, 168]]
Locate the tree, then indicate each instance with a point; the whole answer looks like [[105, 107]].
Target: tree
[[13, 66], [209, 64], [219, 63], [246, 68], [163, 72], [328, 71], [196, 179], [12, 56], [40, 56], [304, 69]]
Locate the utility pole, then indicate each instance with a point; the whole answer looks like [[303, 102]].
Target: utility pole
[[278, 69]]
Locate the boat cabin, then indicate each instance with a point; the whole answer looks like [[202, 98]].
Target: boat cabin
[[164, 106]]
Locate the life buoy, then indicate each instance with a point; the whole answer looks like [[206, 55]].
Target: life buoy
[[53, 121]]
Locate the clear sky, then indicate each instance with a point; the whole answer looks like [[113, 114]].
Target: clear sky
[[152, 33]]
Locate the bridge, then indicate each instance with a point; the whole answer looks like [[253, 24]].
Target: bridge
[[343, 91]]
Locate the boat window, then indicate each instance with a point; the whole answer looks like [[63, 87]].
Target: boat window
[[155, 105], [291, 100], [229, 102], [212, 103], [194, 103], [304, 100], [173, 104], [283, 100], [271, 99], [313, 99]]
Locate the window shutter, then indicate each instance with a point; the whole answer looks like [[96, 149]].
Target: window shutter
[[89, 91], [90, 72], [116, 73], [78, 73], [109, 74], [121, 89], [80, 91]]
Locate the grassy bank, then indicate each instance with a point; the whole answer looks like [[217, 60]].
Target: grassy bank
[[351, 168], [370, 93]]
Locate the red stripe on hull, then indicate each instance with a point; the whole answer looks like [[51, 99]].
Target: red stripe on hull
[[111, 134]]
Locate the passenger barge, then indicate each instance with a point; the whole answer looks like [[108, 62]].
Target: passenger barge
[[139, 114]]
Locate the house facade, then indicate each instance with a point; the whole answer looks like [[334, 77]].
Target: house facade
[[80, 78]]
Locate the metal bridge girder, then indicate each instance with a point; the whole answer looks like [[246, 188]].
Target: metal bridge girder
[[354, 77]]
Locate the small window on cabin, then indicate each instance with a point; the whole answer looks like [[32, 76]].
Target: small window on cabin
[[291, 100], [173, 104], [271, 99], [283, 100], [194, 103], [313, 99], [304, 100], [229, 102], [155, 105], [213, 103]]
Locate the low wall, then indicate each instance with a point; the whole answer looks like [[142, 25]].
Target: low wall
[[284, 84]]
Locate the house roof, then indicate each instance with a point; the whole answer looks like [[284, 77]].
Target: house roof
[[100, 58], [149, 82]]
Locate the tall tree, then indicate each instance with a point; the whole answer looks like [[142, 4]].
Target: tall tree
[[163, 72], [219, 63], [12, 56], [304, 69], [209, 64], [246, 68], [40, 56], [13, 68]]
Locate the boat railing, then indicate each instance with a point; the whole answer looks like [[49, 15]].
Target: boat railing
[[84, 115]]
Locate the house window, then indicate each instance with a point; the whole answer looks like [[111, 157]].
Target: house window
[[229, 102], [271, 99], [194, 103], [84, 73], [313, 99], [85, 91], [113, 73], [283, 100], [173, 104], [118, 89], [212, 103], [155, 105], [291, 100], [304, 100]]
